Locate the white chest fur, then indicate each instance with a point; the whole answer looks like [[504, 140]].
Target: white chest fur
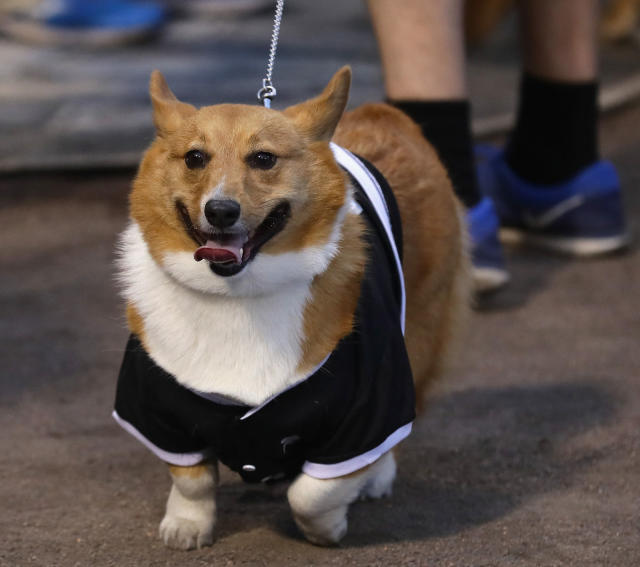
[[245, 347]]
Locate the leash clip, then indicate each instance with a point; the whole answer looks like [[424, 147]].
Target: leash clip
[[266, 93]]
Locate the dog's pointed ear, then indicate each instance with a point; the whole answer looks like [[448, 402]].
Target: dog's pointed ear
[[318, 117], [168, 111]]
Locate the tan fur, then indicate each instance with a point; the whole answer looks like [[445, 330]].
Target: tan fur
[[194, 471], [334, 296], [135, 322], [316, 118], [325, 196], [435, 262]]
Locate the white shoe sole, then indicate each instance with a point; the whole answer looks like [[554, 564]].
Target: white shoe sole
[[488, 279], [583, 247]]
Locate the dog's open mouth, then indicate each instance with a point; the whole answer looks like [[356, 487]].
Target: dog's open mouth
[[228, 252]]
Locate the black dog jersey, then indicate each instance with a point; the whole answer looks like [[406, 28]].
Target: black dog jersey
[[344, 416]]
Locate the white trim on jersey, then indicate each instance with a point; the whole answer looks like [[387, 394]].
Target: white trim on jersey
[[371, 187], [180, 459], [334, 470]]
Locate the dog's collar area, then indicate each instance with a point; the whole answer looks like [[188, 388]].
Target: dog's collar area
[[272, 224]]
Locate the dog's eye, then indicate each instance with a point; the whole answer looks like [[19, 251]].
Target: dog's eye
[[262, 160], [195, 159]]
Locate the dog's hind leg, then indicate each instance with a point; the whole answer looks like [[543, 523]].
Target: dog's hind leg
[[320, 506], [191, 507]]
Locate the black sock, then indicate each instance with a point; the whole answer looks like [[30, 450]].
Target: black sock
[[447, 125], [556, 134]]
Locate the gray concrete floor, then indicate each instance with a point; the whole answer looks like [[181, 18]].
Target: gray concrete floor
[[529, 454]]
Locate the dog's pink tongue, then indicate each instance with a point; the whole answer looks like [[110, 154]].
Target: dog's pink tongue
[[213, 251]]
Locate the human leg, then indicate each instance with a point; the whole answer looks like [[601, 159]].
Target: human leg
[[549, 186], [556, 128], [421, 48], [422, 51]]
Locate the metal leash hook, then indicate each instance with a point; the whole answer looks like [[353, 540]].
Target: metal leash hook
[[268, 91]]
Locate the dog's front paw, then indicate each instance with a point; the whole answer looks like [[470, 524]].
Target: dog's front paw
[[191, 508], [324, 529], [184, 533]]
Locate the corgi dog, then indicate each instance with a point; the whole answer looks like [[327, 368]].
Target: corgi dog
[[267, 306]]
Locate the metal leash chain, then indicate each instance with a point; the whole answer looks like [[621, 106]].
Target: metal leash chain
[[268, 91]]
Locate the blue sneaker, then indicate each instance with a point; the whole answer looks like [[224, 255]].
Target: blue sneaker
[[582, 216], [94, 23], [488, 269]]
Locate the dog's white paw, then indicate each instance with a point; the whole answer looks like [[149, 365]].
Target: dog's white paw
[[184, 533], [191, 513], [379, 488], [324, 529], [380, 484]]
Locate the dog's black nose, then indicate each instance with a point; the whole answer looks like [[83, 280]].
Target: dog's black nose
[[222, 213]]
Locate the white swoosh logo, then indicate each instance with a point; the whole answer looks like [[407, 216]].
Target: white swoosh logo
[[554, 213]]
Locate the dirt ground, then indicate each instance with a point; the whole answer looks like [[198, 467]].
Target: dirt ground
[[529, 454]]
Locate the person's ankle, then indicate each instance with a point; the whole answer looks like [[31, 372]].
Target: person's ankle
[[555, 136]]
